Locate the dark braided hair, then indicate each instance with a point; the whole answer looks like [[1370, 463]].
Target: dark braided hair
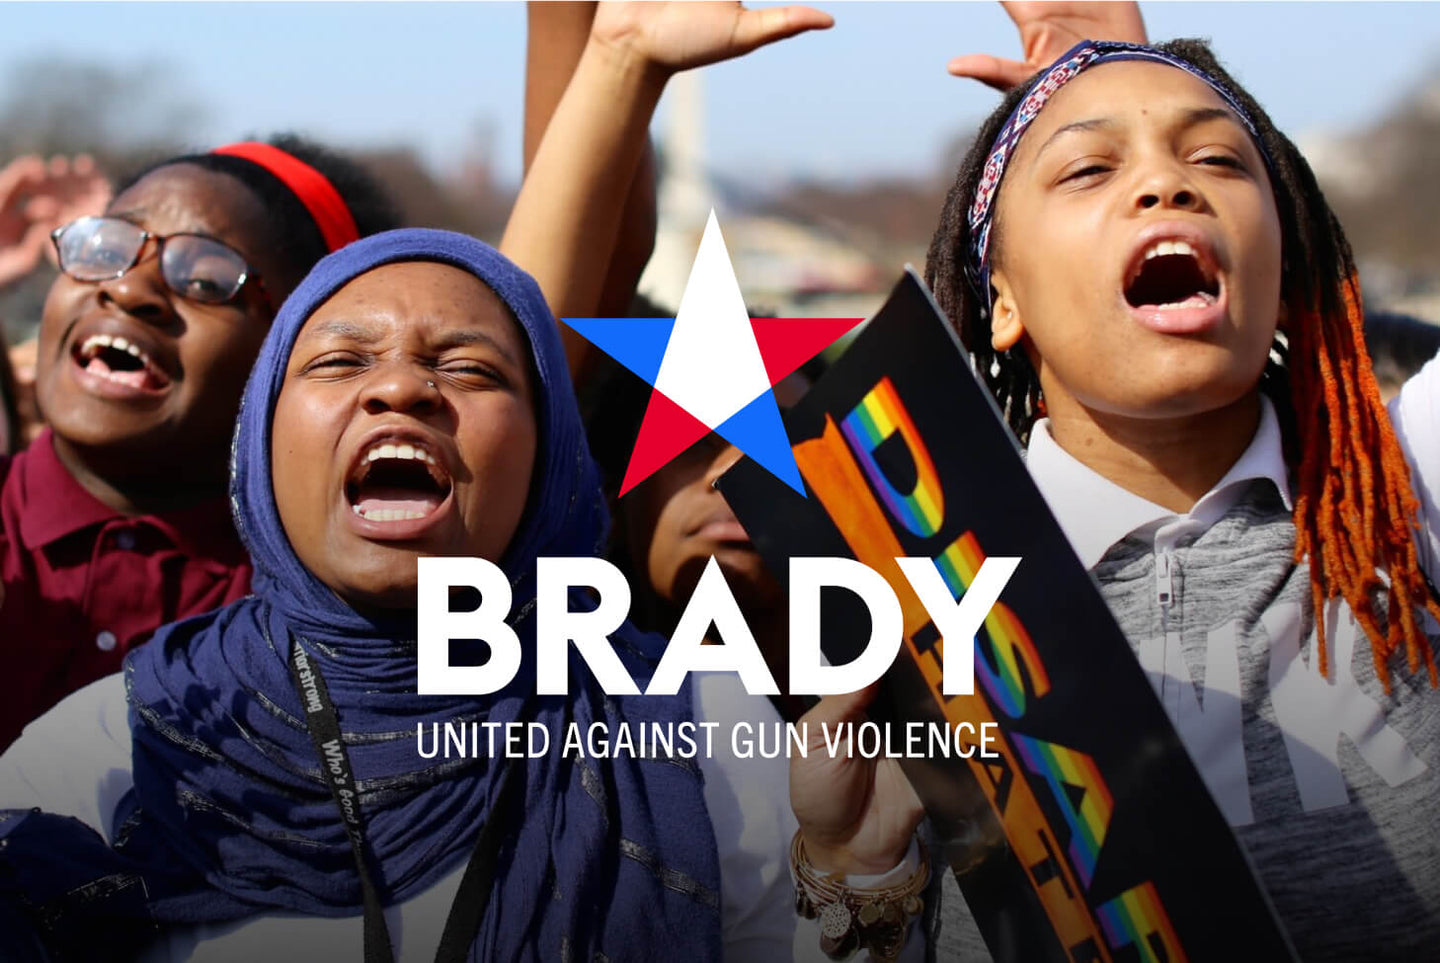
[[1355, 510], [298, 242], [1009, 375]]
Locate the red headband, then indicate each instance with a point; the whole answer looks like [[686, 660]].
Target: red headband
[[319, 196]]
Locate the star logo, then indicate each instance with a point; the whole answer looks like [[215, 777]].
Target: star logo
[[712, 367]]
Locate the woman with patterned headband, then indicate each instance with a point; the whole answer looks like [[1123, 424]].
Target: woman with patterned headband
[[1167, 312], [114, 521]]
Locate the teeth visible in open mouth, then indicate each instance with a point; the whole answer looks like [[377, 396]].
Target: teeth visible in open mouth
[[1200, 300], [397, 481], [387, 514], [1172, 275], [1161, 248], [118, 360], [95, 342], [403, 452]]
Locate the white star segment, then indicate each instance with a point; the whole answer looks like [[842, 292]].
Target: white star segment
[[712, 367]]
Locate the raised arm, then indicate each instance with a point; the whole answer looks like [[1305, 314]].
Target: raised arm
[[555, 40], [566, 221]]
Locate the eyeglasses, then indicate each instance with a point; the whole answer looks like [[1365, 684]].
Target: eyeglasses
[[194, 266]]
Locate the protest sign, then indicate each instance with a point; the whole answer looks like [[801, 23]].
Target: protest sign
[[1092, 836]]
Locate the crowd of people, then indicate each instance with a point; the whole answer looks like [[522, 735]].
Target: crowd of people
[[257, 398]]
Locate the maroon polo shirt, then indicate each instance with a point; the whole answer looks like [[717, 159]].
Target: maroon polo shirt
[[84, 583]]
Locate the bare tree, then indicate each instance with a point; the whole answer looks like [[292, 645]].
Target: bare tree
[[1392, 214], [121, 116]]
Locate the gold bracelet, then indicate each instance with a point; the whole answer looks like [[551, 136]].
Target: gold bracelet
[[852, 919]]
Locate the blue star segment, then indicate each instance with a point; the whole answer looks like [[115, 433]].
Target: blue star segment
[[637, 343], [758, 431], [712, 368]]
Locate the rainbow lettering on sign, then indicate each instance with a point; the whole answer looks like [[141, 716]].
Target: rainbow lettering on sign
[[1136, 918], [1079, 791], [842, 470], [877, 417], [1009, 641]]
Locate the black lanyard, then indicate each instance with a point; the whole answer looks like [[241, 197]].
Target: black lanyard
[[473, 896]]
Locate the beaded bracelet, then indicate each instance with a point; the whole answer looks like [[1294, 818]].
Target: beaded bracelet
[[852, 919]]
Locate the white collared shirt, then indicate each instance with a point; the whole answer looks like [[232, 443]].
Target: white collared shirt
[[1329, 779], [1095, 513]]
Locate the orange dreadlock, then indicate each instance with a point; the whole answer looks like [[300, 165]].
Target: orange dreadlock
[[1351, 523], [1355, 512]]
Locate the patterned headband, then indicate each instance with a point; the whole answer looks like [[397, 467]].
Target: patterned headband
[[1071, 64]]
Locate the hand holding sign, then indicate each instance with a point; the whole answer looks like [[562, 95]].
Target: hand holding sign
[[856, 814], [1089, 834]]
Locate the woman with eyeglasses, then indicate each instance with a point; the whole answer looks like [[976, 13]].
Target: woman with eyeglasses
[[115, 521]]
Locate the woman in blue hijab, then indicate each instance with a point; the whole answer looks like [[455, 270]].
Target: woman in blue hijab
[[411, 399]]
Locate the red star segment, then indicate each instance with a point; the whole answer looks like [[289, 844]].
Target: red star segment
[[787, 343]]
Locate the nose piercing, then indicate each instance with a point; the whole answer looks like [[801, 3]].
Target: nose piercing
[[430, 384]]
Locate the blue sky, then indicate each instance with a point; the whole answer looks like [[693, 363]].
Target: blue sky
[[869, 97]]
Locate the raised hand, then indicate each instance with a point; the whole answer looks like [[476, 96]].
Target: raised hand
[[1047, 30], [36, 197], [678, 36], [857, 815], [565, 222]]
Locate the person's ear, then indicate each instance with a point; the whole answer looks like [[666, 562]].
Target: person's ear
[[1006, 325]]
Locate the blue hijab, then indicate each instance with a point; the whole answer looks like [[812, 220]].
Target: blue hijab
[[230, 816]]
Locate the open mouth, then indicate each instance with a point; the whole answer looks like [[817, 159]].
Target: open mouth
[[397, 481], [1172, 276], [119, 361]]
